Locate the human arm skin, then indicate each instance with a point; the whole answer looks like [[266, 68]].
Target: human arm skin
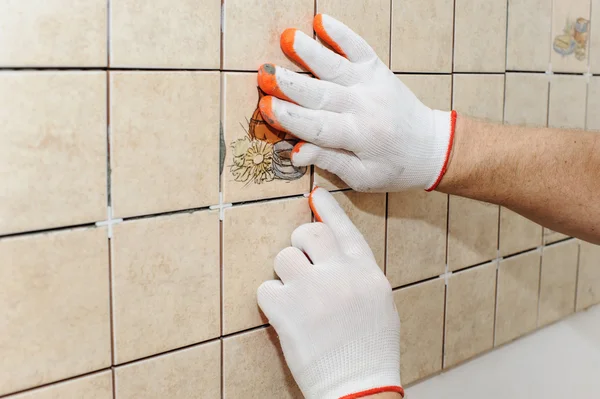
[[551, 176], [385, 395]]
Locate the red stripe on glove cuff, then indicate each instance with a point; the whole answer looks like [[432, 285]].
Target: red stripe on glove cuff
[[448, 151], [373, 391]]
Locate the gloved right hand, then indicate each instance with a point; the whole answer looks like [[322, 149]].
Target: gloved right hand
[[359, 120]]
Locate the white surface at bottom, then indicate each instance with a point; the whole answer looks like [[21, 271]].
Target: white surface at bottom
[[559, 361]]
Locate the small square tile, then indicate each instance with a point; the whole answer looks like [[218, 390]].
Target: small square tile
[[517, 233], [588, 286], [593, 102], [53, 293], [53, 33], [251, 31], [95, 386], [258, 158], [421, 310], [370, 20], [164, 34], [435, 91], [472, 232], [53, 149], [252, 236], [189, 373], [164, 141], [166, 283], [328, 180], [480, 96], [518, 289], [254, 367], [470, 302], [479, 36], [550, 236], [558, 281], [526, 100], [595, 39], [528, 37], [416, 236], [570, 35], [567, 102], [422, 35]]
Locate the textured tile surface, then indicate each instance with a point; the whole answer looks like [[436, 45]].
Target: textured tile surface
[[567, 102], [526, 101], [328, 180], [421, 310], [53, 149], [95, 386], [588, 286], [166, 283], [53, 293], [570, 35], [593, 105], [479, 96], [165, 34], [469, 313], [189, 373], [435, 91], [164, 141], [528, 37], [517, 233], [57, 33]]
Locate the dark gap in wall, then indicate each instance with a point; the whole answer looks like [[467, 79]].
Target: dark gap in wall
[[473, 266], [577, 277], [415, 283], [453, 31], [108, 26], [111, 320], [519, 253], [444, 324], [495, 303], [390, 41], [423, 73], [114, 382], [177, 212], [49, 230], [561, 241], [537, 316]]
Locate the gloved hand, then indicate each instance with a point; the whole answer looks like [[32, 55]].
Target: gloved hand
[[360, 121], [333, 309]]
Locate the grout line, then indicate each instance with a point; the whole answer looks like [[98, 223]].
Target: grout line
[[444, 329], [390, 41], [222, 368], [425, 280], [453, 33], [577, 277], [496, 302], [49, 230], [111, 320], [108, 32], [114, 382]]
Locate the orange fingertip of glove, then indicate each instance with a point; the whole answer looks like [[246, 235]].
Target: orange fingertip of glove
[[287, 45], [297, 147], [374, 391], [312, 204], [322, 33], [266, 110], [453, 117], [267, 81]]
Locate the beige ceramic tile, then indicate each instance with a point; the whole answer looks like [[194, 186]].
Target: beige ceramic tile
[[164, 141], [526, 100], [595, 38], [95, 386], [53, 149], [165, 34], [558, 281], [166, 283], [472, 232], [479, 96], [593, 103], [470, 305], [371, 20], [54, 305], [416, 236], [53, 33], [367, 212], [327, 180], [518, 289], [252, 236], [422, 35], [421, 310], [570, 35], [252, 29], [550, 236], [479, 36], [435, 91], [588, 286], [567, 102], [517, 233], [254, 367], [257, 160], [528, 37], [189, 373]]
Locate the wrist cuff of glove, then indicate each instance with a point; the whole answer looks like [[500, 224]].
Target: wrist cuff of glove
[[440, 121], [374, 391]]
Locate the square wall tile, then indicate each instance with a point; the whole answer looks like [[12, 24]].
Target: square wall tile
[[570, 35], [328, 180], [166, 283], [472, 232], [550, 236], [558, 281], [367, 212], [254, 367], [53, 149], [567, 102], [480, 96], [257, 158], [588, 286], [479, 36], [470, 302], [593, 102], [371, 20], [251, 31], [95, 386], [53, 293], [517, 233], [53, 33], [416, 236], [165, 34], [435, 91], [422, 35], [528, 37], [164, 141], [189, 373], [526, 101], [518, 289], [595, 39], [252, 236], [421, 310]]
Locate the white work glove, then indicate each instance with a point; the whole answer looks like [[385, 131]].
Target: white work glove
[[360, 121], [333, 309]]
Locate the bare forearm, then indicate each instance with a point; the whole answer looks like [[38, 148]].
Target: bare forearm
[[385, 395], [550, 176]]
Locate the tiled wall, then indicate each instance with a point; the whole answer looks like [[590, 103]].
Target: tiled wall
[[138, 217]]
